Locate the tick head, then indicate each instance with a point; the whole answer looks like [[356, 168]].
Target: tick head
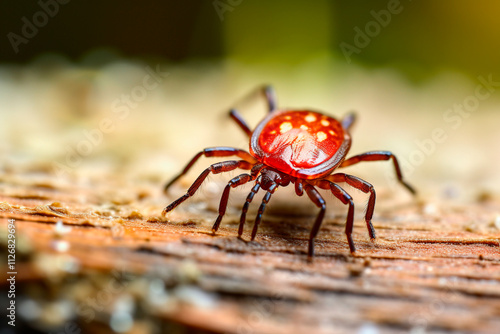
[[272, 178]]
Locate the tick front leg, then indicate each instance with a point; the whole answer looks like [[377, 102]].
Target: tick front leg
[[237, 181], [265, 200], [213, 152], [345, 198], [216, 168], [379, 156], [365, 187], [249, 199], [315, 196]]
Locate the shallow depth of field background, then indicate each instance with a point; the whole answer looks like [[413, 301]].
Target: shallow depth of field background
[[403, 66]]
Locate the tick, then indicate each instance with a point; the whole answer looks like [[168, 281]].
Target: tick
[[302, 147]]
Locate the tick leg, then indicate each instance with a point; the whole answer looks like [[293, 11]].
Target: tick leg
[[244, 210], [270, 97], [265, 200], [213, 152], [348, 120], [299, 188], [378, 156], [219, 167], [345, 198], [315, 196], [235, 115], [365, 187], [237, 181]]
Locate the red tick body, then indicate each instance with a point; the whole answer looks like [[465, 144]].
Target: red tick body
[[303, 144], [292, 146]]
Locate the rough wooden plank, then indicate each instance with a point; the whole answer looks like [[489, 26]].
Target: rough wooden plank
[[105, 258]]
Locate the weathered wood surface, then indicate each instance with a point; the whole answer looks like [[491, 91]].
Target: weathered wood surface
[[94, 256], [90, 248]]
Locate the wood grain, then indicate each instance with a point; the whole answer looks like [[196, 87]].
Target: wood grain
[[82, 245]]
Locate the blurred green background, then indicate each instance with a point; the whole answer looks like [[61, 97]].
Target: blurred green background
[[407, 67], [420, 37]]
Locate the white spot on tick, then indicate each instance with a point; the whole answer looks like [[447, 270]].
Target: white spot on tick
[[324, 122], [304, 127], [321, 136], [310, 118], [285, 126]]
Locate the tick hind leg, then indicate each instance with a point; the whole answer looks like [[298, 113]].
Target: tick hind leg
[[235, 115], [213, 152], [348, 120], [270, 96], [216, 168], [379, 156]]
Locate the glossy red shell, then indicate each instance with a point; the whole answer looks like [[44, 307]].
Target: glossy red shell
[[303, 144]]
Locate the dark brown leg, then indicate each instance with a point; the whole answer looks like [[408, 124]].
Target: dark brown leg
[[235, 115], [365, 187], [247, 204], [270, 97], [265, 200], [213, 152], [379, 156], [219, 167], [348, 120], [299, 188], [345, 198], [238, 180], [320, 203]]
